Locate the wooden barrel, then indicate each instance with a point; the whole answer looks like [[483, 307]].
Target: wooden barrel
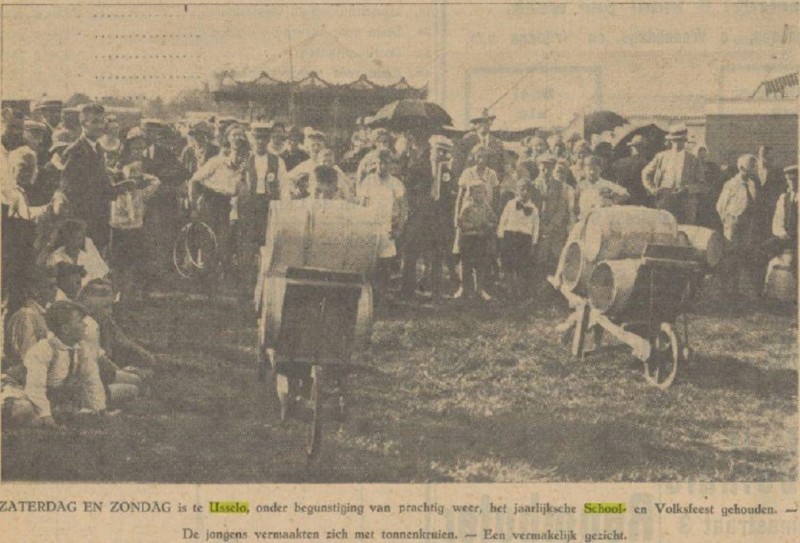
[[272, 307], [330, 235], [781, 283], [620, 232], [709, 243], [576, 270], [611, 285]]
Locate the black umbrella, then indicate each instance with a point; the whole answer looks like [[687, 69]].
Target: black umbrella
[[410, 113], [598, 122], [653, 136]]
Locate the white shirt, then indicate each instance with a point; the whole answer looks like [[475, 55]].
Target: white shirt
[[23, 166], [471, 177], [41, 374], [601, 193], [128, 208], [217, 175], [382, 195], [674, 170], [778, 218], [262, 163], [89, 258], [515, 220], [736, 197]]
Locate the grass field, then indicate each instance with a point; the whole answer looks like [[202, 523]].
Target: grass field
[[467, 392]]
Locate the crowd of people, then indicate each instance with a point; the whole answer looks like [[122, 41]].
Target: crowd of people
[[90, 217]]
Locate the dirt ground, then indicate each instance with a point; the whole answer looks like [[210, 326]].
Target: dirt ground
[[465, 391]]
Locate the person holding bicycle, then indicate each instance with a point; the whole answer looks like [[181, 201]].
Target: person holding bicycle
[[213, 194]]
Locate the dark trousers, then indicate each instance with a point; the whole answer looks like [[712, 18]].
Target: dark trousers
[[215, 212], [474, 258], [517, 256]]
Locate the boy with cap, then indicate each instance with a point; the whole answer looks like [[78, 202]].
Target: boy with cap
[[126, 254], [555, 201], [315, 143], [476, 224], [200, 147]]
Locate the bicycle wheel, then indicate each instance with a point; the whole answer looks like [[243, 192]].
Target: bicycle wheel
[[317, 400]]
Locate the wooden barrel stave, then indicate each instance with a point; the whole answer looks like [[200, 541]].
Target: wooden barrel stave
[[709, 243], [612, 283], [620, 232]]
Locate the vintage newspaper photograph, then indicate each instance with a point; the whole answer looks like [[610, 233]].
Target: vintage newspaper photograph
[[399, 249]]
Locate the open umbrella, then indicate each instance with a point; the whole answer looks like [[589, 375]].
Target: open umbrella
[[410, 113], [598, 122]]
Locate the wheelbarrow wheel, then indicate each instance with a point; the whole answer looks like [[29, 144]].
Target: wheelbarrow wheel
[[661, 368], [316, 399]]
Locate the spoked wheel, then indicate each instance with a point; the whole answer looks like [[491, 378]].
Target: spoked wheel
[[661, 367], [317, 400]]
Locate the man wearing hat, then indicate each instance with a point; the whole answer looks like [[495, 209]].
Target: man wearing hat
[[49, 113], [430, 200], [555, 201], [314, 143], [736, 210], [771, 185], [675, 177], [23, 161], [481, 134], [627, 172], [200, 148], [784, 223], [49, 176], [162, 221], [292, 154], [266, 179], [85, 181]]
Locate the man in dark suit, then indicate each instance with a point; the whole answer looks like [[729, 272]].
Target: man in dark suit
[[771, 185], [627, 172], [481, 135], [85, 181]]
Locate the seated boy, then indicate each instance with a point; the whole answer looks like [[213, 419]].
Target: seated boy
[[62, 376]]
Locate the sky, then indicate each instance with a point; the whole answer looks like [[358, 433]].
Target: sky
[[534, 64]]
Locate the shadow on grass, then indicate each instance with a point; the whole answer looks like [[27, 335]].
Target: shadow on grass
[[727, 372]]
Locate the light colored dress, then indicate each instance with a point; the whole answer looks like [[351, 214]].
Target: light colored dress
[[384, 195]]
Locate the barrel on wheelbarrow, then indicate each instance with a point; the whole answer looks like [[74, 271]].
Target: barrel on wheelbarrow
[[332, 235], [273, 306], [313, 281], [618, 232]]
